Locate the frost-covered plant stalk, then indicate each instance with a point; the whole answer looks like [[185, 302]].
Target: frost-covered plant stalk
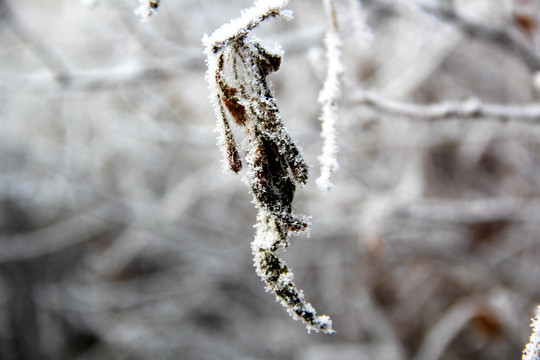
[[532, 349], [238, 65], [328, 98]]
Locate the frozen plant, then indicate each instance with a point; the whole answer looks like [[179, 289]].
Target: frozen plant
[[238, 65]]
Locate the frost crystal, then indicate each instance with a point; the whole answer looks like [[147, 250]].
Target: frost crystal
[[279, 278], [237, 69], [532, 349]]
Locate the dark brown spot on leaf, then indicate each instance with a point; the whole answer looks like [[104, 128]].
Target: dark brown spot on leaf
[[237, 110]]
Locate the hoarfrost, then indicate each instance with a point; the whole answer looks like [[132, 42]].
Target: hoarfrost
[[532, 349], [146, 9], [279, 278], [239, 91], [328, 98]]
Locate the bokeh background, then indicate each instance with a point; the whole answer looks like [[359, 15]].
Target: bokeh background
[[121, 237]]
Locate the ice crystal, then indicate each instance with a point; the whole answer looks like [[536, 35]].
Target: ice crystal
[[279, 278], [532, 349], [238, 66]]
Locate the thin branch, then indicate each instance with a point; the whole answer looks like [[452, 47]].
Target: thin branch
[[242, 26], [44, 52], [500, 37], [470, 211], [59, 236], [101, 79], [328, 98], [470, 109], [446, 329]]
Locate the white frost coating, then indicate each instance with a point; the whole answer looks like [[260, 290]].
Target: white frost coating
[[228, 33], [265, 238], [361, 28], [328, 97], [248, 20], [146, 9], [238, 66], [532, 349], [280, 280], [221, 126]]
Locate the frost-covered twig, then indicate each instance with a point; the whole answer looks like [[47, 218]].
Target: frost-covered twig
[[238, 29], [237, 69], [470, 109], [328, 98], [146, 9], [279, 278], [532, 349]]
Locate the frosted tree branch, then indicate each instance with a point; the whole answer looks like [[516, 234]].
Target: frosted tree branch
[[470, 109], [532, 349], [328, 98], [239, 28], [237, 69]]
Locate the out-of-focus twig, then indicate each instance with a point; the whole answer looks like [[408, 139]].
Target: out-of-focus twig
[[44, 52], [479, 210], [380, 324], [469, 109], [102, 79], [500, 37], [446, 328], [57, 237]]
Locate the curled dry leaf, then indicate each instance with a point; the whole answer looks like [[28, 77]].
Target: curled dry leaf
[[238, 66]]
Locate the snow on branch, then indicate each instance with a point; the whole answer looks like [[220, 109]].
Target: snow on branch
[[146, 9], [469, 109], [238, 66], [532, 349], [328, 98], [251, 18]]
